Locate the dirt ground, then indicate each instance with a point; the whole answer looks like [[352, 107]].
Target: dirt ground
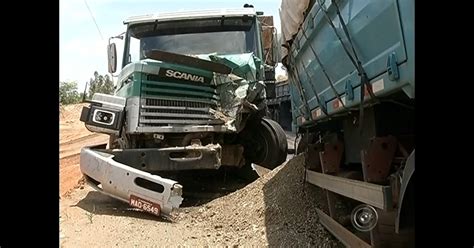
[[73, 135], [219, 208]]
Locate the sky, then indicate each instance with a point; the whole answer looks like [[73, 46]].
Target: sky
[[83, 43]]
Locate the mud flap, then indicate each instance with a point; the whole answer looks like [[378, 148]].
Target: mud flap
[[140, 189]]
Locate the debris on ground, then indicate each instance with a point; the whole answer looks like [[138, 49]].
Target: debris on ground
[[275, 210]]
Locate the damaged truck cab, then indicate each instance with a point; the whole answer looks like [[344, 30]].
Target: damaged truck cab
[[190, 95]]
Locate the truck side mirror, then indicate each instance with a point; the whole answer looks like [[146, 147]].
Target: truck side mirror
[[112, 57]]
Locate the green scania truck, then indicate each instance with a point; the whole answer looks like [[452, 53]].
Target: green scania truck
[[190, 95]]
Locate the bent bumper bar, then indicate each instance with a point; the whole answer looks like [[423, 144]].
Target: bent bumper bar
[[124, 182]]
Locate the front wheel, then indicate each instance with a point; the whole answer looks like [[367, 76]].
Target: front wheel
[[265, 143]]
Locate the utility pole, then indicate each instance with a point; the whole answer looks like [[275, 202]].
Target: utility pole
[[84, 95]]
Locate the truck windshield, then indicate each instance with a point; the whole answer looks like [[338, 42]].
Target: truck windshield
[[192, 37]]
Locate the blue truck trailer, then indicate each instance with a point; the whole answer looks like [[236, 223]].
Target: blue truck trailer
[[351, 72]]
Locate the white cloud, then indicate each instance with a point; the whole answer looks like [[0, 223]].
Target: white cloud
[[73, 11], [80, 58]]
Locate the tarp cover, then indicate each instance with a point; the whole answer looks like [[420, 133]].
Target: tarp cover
[[291, 17]]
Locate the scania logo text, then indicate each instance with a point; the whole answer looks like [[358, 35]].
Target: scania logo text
[[183, 75]]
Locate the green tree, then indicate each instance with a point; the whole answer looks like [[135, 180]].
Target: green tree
[[100, 84], [68, 93]]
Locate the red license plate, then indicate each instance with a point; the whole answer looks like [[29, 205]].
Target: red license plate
[[147, 206]]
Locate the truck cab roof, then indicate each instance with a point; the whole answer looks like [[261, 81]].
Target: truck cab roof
[[192, 14]]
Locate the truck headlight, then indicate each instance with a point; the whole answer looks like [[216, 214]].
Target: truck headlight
[[103, 117], [105, 114]]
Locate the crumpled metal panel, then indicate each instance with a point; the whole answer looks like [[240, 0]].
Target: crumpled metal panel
[[240, 92], [291, 17]]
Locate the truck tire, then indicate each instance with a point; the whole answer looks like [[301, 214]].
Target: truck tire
[[266, 144]]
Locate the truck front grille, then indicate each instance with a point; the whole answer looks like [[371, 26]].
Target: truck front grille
[[164, 103]]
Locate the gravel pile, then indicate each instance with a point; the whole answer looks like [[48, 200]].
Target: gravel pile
[[278, 209]]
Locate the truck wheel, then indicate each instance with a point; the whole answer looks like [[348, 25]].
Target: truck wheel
[[266, 144]]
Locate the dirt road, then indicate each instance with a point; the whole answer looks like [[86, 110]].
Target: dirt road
[[73, 136]]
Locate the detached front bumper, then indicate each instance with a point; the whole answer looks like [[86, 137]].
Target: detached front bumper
[[140, 189]]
